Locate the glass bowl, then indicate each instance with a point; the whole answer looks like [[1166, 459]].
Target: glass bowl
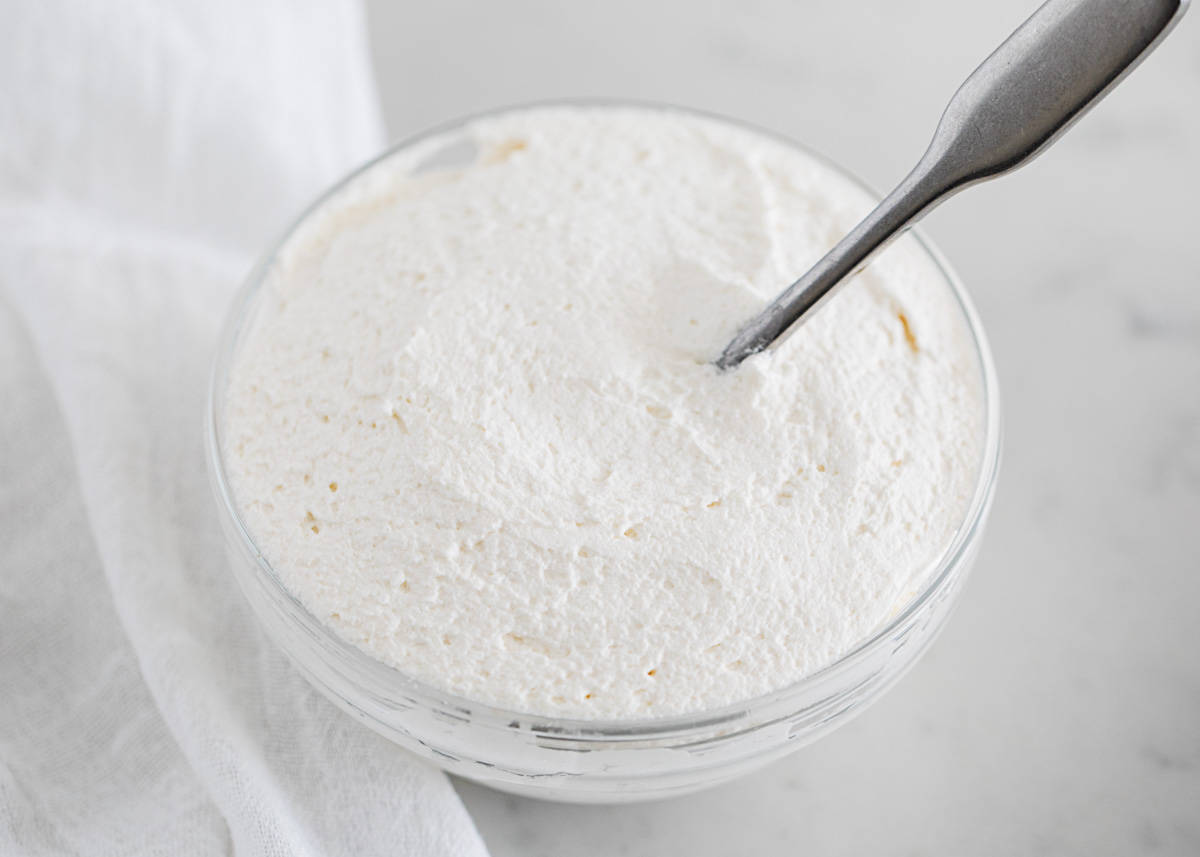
[[590, 760]]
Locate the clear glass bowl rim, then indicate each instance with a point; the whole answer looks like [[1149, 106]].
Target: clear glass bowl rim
[[674, 727]]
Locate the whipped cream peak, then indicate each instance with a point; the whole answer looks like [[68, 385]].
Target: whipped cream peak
[[474, 424]]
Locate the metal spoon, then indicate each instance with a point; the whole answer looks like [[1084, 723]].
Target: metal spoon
[[1047, 74]]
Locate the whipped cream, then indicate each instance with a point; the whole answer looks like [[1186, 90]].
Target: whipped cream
[[474, 425]]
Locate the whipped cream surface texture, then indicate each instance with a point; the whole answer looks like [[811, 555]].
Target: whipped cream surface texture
[[474, 425]]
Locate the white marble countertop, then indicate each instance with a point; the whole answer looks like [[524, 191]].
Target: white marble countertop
[[1060, 711]]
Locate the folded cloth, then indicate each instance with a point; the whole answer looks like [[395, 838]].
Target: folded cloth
[[148, 150]]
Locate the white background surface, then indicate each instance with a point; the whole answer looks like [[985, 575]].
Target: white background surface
[[1060, 712]]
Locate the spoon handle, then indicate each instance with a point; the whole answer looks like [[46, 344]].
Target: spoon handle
[[1047, 74]]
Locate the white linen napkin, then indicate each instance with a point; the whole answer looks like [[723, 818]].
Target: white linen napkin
[[148, 151]]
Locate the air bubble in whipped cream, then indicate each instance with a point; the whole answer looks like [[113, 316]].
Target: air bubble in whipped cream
[[474, 425]]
